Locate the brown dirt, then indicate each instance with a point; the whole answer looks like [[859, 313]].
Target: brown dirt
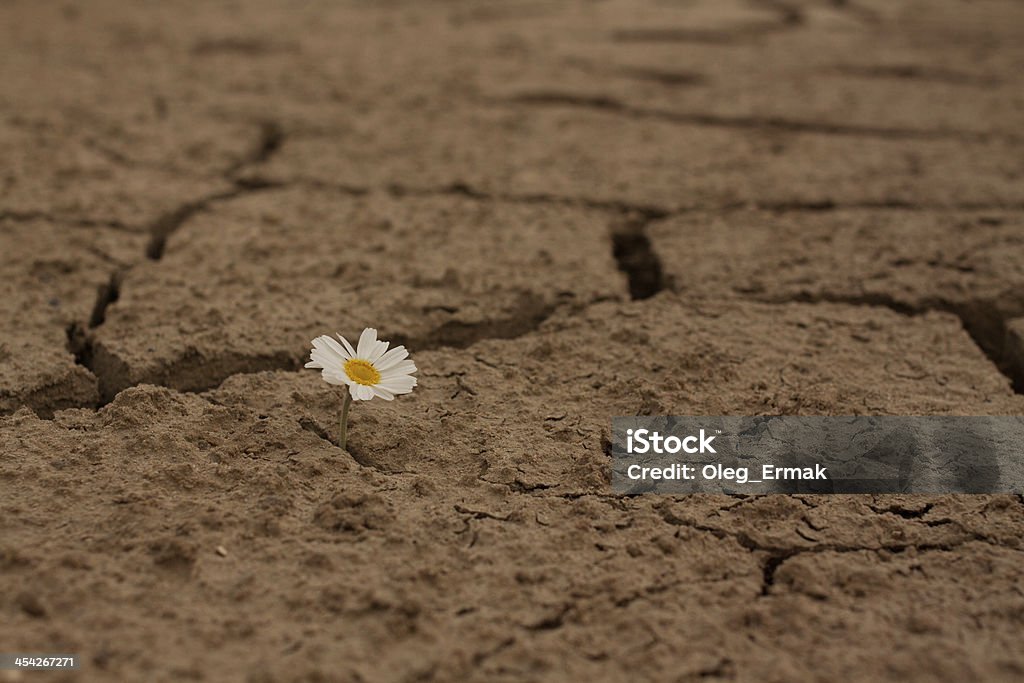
[[568, 211]]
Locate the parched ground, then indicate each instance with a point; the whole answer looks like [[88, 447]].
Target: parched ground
[[568, 211]]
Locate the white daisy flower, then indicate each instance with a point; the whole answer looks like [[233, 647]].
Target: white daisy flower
[[369, 370]]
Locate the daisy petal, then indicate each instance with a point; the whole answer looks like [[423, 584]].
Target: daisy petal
[[405, 367], [336, 348], [383, 393], [348, 347], [324, 359], [328, 348], [332, 377], [367, 340], [391, 358], [397, 387], [378, 350], [335, 376]]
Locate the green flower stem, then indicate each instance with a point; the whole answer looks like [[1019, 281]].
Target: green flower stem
[[345, 403]]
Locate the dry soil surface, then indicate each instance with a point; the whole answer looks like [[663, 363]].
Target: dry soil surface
[[567, 211]]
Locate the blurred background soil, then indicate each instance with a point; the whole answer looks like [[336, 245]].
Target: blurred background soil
[[567, 211]]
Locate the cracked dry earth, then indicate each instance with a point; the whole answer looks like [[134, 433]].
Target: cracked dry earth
[[568, 211]]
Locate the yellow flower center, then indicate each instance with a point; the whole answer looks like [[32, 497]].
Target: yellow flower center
[[361, 372]]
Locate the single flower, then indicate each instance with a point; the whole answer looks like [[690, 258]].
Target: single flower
[[369, 370]]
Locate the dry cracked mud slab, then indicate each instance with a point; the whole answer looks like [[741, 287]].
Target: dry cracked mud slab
[[267, 60], [903, 561], [98, 131], [51, 276], [971, 264], [533, 413], [545, 145], [221, 527], [246, 284], [123, 174], [452, 542], [807, 65]]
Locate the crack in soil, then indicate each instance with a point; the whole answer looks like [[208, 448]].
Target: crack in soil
[[636, 257], [877, 205], [605, 103], [479, 658], [462, 189], [864, 15], [777, 555], [650, 212], [789, 18], [480, 514], [34, 215], [665, 77], [551, 622], [904, 512], [79, 345], [269, 142], [311, 426], [271, 138], [912, 73], [695, 36], [107, 294], [789, 14], [768, 569], [169, 223], [529, 313], [79, 337]]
